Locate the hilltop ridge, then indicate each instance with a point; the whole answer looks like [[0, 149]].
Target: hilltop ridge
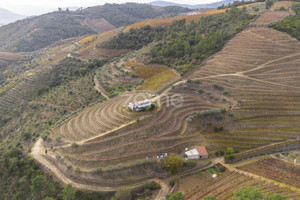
[[197, 6], [40, 31]]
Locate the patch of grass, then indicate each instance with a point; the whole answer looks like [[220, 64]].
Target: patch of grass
[[159, 81], [144, 71], [212, 171], [87, 39]]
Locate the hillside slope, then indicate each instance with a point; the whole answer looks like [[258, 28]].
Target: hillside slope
[[38, 32], [240, 78], [262, 72]]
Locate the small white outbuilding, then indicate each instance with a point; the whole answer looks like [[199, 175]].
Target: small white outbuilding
[[196, 153], [192, 154], [139, 105]]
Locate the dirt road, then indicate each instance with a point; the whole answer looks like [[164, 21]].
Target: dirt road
[[38, 153]]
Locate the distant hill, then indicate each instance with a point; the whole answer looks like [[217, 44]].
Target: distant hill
[[37, 32], [7, 17], [199, 6]]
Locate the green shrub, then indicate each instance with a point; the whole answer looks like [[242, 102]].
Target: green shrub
[[226, 92], [58, 139], [172, 183], [122, 194], [58, 157], [218, 129], [218, 87], [212, 171], [236, 150], [74, 145], [221, 168], [230, 151], [282, 8], [191, 163], [177, 196], [200, 91], [98, 170], [77, 170]]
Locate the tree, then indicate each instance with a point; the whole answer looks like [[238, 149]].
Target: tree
[[122, 194], [69, 192], [173, 163], [177, 196], [247, 193], [269, 4], [210, 198], [41, 186], [296, 8], [229, 151]]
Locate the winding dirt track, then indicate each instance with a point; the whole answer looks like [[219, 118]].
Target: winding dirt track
[[38, 151], [99, 88]]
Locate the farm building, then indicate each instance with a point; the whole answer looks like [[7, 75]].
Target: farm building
[[139, 105], [196, 153]]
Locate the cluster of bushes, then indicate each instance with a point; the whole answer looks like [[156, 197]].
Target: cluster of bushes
[[29, 181], [145, 191], [220, 153], [290, 24], [229, 154], [66, 70], [135, 38]]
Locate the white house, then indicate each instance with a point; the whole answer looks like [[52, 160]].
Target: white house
[[196, 153], [139, 105]]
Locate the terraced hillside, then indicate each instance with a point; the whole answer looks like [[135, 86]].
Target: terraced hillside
[[20, 93], [257, 71], [269, 17], [158, 133], [7, 57], [274, 169], [99, 119], [225, 184], [260, 68], [89, 49]]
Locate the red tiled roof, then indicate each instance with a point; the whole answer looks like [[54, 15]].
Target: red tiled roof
[[202, 151]]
